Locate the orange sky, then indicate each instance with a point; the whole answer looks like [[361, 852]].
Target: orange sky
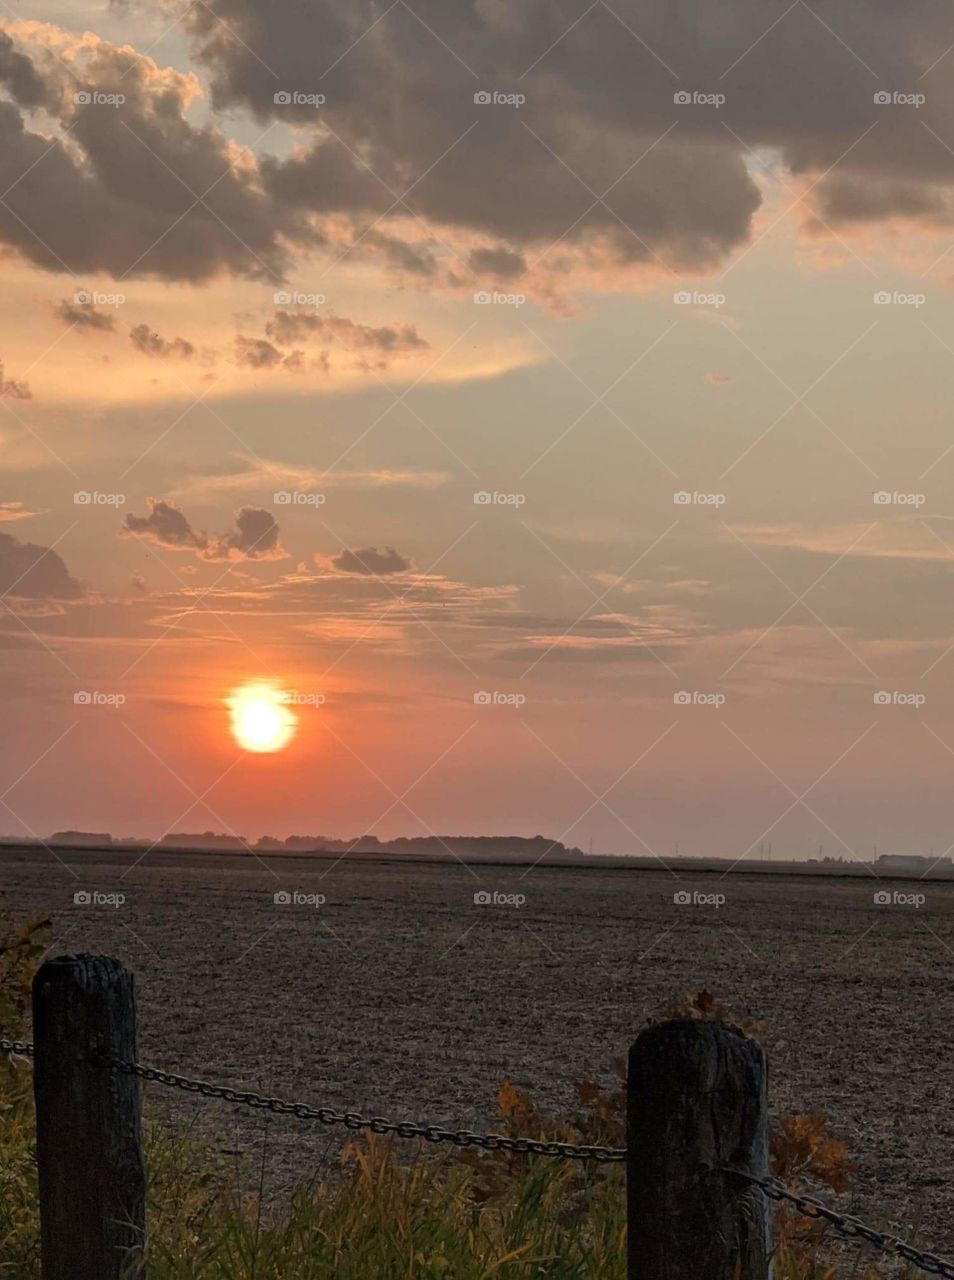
[[576, 465]]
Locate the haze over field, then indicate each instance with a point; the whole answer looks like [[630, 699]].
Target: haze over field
[[413, 991], [479, 418]]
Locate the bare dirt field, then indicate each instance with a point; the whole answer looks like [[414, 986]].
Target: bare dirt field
[[401, 996]]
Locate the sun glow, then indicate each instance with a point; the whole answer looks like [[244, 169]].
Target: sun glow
[[261, 719]]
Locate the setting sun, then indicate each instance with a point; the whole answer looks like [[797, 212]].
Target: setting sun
[[261, 720]]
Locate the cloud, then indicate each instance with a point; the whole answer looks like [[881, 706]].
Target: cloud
[[150, 344], [33, 572], [845, 199], [84, 315], [340, 608], [500, 262], [399, 103], [13, 389], [11, 511], [387, 478], [602, 638], [402, 255], [371, 561], [602, 154], [167, 526], [872, 540], [130, 192], [255, 474], [601, 174], [255, 536], [257, 353], [372, 346], [21, 77]]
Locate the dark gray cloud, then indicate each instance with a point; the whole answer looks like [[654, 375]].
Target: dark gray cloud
[[84, 315], [600, 91], [258, 353], [13, 388], [371, 346], [120, 195], [602, 159], [34, 572], [21, 77], [371, 561], [847, 198], [167, 526], [414, 259], [151, 344], [255, 536], [500, 262]]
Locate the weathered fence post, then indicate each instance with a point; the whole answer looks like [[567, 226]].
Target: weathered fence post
[[696, 1102], [89, 1150]]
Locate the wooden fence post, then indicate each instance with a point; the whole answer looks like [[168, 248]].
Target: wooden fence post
[[696, 1100], [88, 1140]]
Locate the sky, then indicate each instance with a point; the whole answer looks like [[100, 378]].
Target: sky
[[539, 413]]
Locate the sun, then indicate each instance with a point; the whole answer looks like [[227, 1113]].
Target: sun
[[260, 717]]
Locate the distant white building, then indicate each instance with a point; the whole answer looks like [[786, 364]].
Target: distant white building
[[910, 861]]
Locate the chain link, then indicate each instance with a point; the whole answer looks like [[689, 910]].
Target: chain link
[[844, 1224], [848, 1226], [16, 1046], [352, 1119], [376, 1124]]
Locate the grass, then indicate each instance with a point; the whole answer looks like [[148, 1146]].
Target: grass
[[391, 1211]]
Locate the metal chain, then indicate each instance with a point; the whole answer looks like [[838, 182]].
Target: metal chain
[[352, 1120], [844, 1224], [16, 1046], [848, 1226], [376, 1124]]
